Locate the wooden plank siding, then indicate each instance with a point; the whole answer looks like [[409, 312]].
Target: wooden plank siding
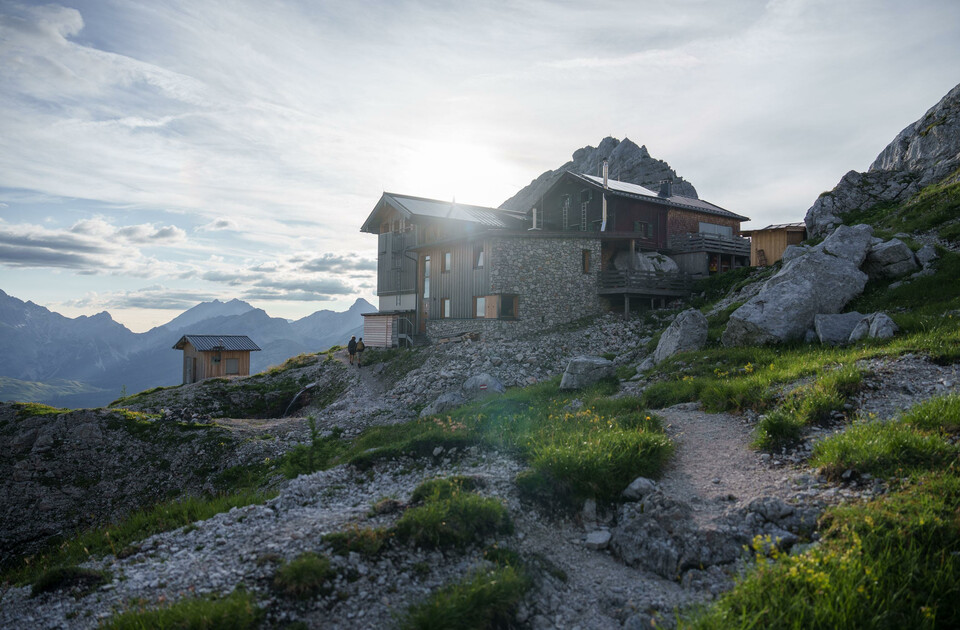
[[461, 284], [773, 243], [378, 330], [200, 365]]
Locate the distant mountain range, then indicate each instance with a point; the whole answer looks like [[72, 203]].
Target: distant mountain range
[[90, 361]]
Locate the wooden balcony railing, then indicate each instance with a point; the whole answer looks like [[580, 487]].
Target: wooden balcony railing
[[644, 282], [713, 243]]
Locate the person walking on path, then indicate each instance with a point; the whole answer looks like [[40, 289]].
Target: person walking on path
[[352, 348], [360, 348]]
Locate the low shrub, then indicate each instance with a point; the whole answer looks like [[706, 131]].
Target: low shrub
[[367, 541], [72, 578], [304, 577], [941, 414], [776, 430], [443, 488], [237, 611]]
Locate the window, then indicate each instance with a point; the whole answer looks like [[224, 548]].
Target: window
[[426, 277], [445, 308], [478, 256], [565, 206], [508, 306], [713, 228], [447, 261], [643, 228], [479, 307], [585, 260], [233, 366]]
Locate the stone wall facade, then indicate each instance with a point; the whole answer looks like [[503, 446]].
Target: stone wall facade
[[547, 274]]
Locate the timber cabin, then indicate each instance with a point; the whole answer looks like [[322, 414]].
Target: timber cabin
[[209, 356], [445, 268], [768, 244]]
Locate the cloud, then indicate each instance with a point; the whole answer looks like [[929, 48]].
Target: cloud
[[153, 297], [339, 263], [218, 225], [648, 58]]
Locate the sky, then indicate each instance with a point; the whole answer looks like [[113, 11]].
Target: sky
[[157, 154]]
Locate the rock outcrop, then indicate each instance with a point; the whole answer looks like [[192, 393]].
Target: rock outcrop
[[924, 153], [627, 163], [585, 371], [820, 281], [890, 259], [687, 332]]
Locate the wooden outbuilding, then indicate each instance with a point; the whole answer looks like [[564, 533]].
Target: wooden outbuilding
[[209, 356], [768, 244]]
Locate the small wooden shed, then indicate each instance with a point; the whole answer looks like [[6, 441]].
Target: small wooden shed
[[208, 356], [768, 244]]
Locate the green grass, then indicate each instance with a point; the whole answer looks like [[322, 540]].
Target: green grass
[[30, 410], [890, 563], [305, 577], [237, 611], [911, 444], [367, 541], [451, 517], [486, 599], [118, 538], [443, 488], [893, 562], [299, 361]]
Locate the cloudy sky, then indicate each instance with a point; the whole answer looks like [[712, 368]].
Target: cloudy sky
[[160, 153]]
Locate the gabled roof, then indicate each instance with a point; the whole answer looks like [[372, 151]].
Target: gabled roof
[[419, 207], [635, 191], [207, 343]]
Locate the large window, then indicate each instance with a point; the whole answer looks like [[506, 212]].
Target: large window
[[643, 228], [713, 228], [478, 256], [445, 308], [480, 307], [426, 277]]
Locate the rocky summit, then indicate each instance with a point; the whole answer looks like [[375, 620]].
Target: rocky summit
[[627, 162], [925, 152]]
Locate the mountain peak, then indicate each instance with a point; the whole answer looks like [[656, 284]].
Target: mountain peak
[[627, 162]]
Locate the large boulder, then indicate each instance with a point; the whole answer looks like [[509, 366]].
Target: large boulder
[[926, 255], [889, 260], [817, 282], [585, 371], [687, 332], [835, 329], [481, 384], [848, 242]]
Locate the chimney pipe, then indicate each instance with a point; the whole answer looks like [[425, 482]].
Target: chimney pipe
[[603, 223], [534, 219], [666, 188]]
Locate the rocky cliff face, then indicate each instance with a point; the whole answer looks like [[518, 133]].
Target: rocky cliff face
[[926, 152], [627, 163]]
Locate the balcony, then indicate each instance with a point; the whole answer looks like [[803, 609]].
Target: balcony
[[710, 243], [644, 283]]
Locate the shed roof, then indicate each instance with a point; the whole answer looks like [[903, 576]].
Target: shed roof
[[636, 191], [436, 209], [790, 227], [208, 343]]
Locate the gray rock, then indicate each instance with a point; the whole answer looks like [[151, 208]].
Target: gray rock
[[874, 326], [584, 371], [786, 305], [639, 488], [924, 153], [849, 243], [926, 255], [598, 539], [444, 403], [889, 260], [835, 329], [687, 332], [794, 251], [482, 384]]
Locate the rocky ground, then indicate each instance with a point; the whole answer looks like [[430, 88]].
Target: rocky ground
[[675, 544]]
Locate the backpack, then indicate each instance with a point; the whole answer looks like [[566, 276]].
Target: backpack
[[360, 346]]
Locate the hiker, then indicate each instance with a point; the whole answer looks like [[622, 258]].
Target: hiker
[[352, 348], [360, 347]]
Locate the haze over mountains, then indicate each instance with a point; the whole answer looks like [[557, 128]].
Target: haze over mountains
[[89, 361]]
